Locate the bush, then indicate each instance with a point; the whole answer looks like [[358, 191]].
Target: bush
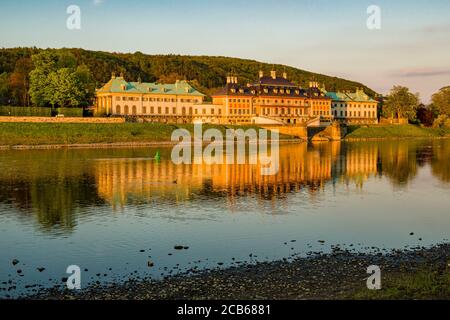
[[442, 122], [38, 111]]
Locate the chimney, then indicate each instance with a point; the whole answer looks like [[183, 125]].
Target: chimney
[[261, 74], [273, 74]]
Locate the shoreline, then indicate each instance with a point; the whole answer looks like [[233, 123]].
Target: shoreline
[[118, 145], [338, 275], [102, 145]]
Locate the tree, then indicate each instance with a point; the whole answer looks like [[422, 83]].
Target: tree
[[84, 76], [400, 103], [4, 87], [19, 81], [441, 102], [40, 79], [54, 84], [425, 115]]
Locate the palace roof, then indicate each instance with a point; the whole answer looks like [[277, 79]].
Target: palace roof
[[277, 81], [233, 89], [346, 96], [119, 85]]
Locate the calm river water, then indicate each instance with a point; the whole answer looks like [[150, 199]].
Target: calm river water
[[111, 211]]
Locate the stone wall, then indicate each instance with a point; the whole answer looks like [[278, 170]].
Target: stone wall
[[300, 132]]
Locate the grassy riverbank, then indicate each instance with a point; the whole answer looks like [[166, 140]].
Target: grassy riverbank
[[395, 132], [32, 134]]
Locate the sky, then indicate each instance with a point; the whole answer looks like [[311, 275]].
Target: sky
[[411, 48]]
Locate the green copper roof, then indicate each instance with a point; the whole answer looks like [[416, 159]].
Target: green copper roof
[[119, 85], [358, 96]]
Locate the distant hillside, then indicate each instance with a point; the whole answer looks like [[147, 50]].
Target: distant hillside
[[204, 72]]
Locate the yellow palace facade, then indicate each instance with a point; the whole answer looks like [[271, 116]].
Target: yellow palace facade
[[271, 100]]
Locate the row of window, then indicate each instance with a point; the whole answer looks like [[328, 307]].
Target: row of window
[[354, 105], [166, 110], [158, 99], [365, 114]]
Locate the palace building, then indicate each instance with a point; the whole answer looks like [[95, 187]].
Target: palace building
[[272, 100], [354, 107], [167, 103]]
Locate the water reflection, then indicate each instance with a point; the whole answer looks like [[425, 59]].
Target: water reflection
[[53, 186]]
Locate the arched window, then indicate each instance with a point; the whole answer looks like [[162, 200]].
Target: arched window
[[134, 110], [126, 110], [118, 109]]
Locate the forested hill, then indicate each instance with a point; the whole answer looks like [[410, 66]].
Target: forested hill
[[206, 73]]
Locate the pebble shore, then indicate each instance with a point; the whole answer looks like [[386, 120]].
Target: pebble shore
[[338, 275]]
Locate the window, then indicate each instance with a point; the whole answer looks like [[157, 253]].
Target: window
[[144, 110], [118, 109]]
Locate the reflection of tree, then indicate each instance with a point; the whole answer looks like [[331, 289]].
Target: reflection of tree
[[51, 185], [56, 200], [398, 160], [440, 164]]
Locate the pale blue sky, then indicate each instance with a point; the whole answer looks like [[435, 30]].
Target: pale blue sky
[[412, 48]]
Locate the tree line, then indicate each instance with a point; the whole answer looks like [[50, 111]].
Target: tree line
[[68, 78], [401, 103], [23, 72]]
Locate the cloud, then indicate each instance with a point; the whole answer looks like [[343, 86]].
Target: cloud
[[421, 72], [435, 29]]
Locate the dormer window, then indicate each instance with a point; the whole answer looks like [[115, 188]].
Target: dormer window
[[241, 90], [275, 90], [233, 90], [297, 91], [123, 87], [288, 91], [282, 91], [266, 90]]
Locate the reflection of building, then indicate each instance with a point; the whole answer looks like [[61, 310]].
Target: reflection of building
[[272, 100], [120, 181], [354, 107], [357, 162]]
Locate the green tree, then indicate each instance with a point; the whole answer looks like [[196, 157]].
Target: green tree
[[400, 103], [441, 102], [87, 82], [40, 79], [69, 90], [56, 80]]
